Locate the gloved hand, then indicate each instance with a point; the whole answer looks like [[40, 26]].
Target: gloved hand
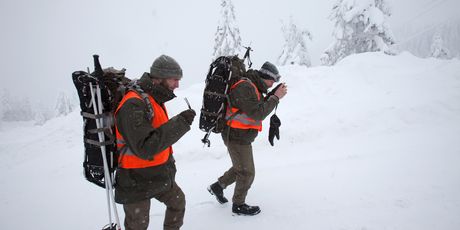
[[188, 115], [272, 92], [274, 131]]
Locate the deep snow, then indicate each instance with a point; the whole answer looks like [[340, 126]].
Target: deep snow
[[371, 143]]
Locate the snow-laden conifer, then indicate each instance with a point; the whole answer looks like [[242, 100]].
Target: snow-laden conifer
[[227, 37], [360, 26], [63, 105], [295, 51], [438, 50]]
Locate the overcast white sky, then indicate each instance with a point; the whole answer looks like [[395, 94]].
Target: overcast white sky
[[43, 42]]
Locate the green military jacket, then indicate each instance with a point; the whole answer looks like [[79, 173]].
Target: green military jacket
[[244, 98], [132, 121]]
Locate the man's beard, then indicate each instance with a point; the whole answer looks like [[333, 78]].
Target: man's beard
[[165, 85]]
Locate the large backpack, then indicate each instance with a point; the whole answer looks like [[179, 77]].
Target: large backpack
[[97, 92], [98, 126], [222, 74]]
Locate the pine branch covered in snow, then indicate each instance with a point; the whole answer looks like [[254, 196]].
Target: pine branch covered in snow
[[360, 26], [295, 49], [227, 37]]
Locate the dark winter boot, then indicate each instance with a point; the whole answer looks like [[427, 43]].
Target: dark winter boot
[[245, 210], [216, 190]]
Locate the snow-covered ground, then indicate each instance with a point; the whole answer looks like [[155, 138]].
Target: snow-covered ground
[[371, 143]]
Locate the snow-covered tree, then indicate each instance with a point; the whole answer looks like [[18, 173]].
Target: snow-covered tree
[[40, 118], [20, 110], [43, 113], [63, 105], [4, 104], [15, 108], [295, 49], [5, 101], [227, 37], [419, 38], [360, 26], [438, 50]]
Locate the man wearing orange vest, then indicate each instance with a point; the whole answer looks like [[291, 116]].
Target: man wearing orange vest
[[245, 112], [145, 136]]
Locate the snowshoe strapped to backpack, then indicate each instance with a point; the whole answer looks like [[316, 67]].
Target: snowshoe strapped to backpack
[[99, 88], [223, 73]]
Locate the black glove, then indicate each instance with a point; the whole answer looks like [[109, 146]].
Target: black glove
[[274, 131], [188, 115]]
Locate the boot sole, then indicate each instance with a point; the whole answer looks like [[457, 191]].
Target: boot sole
[[220, 202], [242, 214]]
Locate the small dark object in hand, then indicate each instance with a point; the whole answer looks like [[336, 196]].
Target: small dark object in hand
[[274, 131]]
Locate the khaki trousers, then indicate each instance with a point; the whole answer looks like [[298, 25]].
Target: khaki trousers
[[137, 214], [242, 171]]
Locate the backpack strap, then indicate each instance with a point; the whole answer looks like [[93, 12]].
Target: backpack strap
[[230, 103], [134, 86], [232, 86], [92, 116]]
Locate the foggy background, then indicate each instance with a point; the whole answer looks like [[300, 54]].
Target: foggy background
[[43, 42]]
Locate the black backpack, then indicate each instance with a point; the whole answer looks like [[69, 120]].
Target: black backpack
[[223, 73], [98, 126], [105, 88]]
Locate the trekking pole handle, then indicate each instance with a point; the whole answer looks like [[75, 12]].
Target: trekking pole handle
[[248, 55], [248, 49], [97, 67]]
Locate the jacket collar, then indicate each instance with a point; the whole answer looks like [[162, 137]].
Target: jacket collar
[[255, 78], [160, 93]]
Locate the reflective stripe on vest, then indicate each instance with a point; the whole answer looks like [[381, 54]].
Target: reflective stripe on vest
[[241, 120], [127, 158]]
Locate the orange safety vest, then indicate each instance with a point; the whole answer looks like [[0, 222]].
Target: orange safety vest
[[241, 120], [127, 158]]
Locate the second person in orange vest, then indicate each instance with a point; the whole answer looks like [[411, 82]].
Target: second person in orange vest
[[245, 112], [145, 135]]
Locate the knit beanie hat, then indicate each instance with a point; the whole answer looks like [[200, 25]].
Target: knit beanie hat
[[165, 67], [269, 72]]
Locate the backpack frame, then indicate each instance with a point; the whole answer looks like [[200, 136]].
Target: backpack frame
[[222, 74]]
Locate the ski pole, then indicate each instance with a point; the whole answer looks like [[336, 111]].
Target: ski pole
[[99, 123], [108, 178], [103, 152]]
